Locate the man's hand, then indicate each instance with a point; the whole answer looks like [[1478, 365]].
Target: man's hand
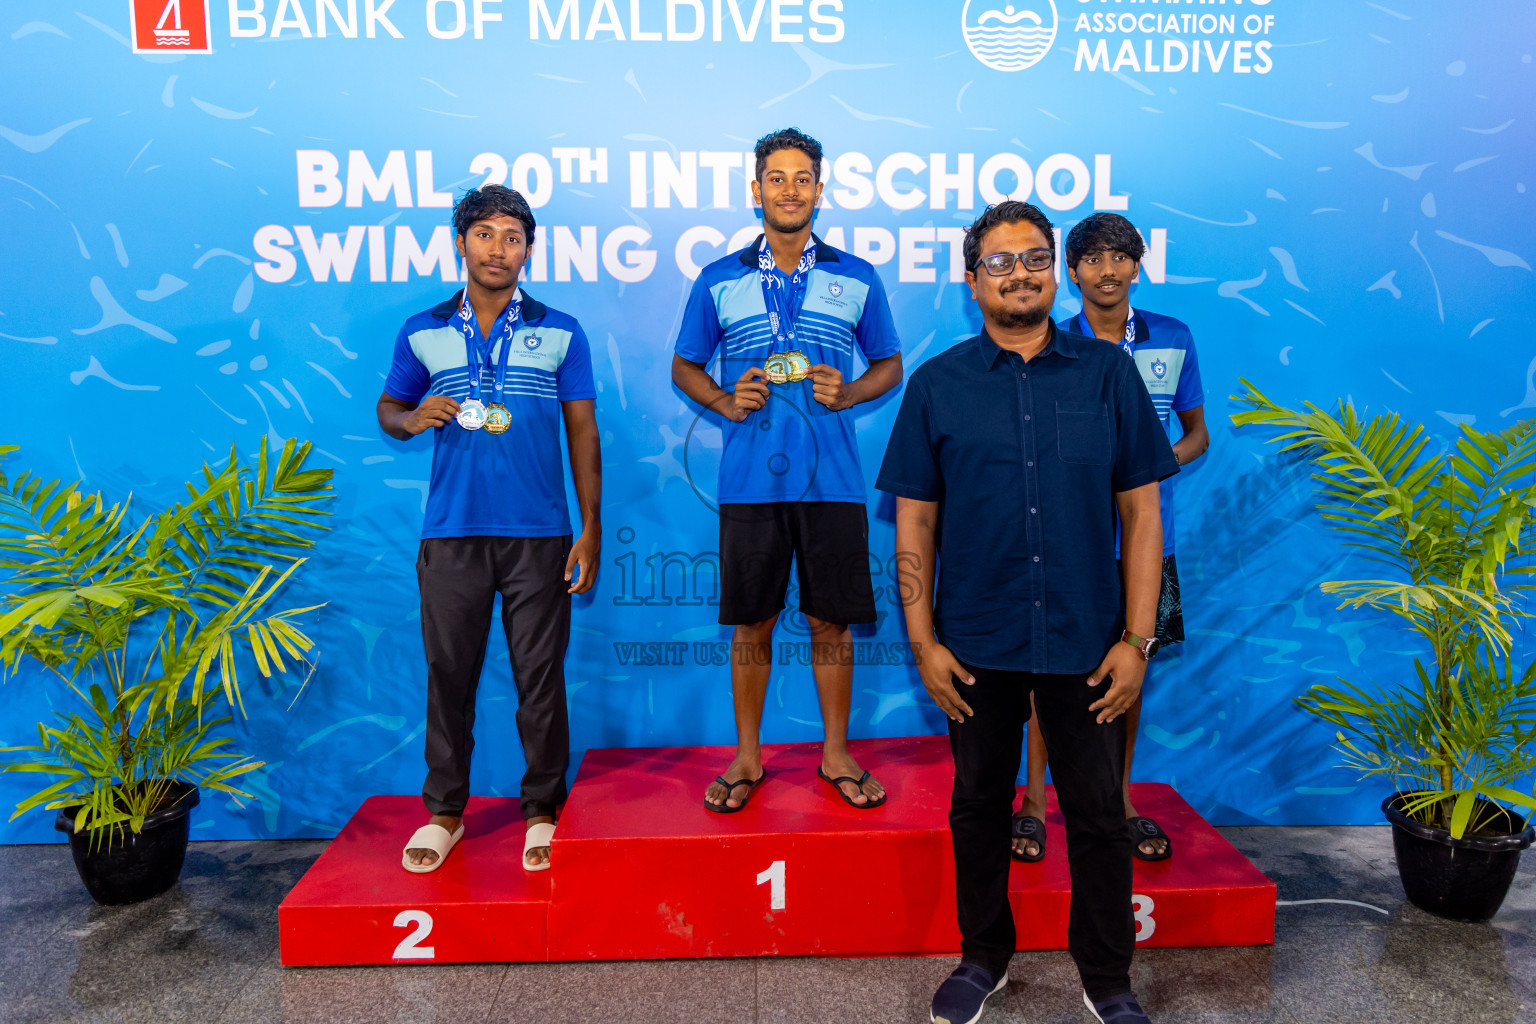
[[828, 387], [434, 411], [584, 553], [939, 669], [1124, 667], [750, 395]]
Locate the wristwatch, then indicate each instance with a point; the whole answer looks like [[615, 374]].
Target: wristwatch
[[1147, 647]]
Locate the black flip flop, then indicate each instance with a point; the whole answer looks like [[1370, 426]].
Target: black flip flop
[[837, 785], [1143, 829], [730, 787], [1027, 826]]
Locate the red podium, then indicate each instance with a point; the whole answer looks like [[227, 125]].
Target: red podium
[[641, 870], [357, 905]]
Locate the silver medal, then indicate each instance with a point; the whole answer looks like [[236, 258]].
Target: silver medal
[[471, 414]]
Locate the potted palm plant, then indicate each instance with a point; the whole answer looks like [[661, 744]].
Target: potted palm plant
[[146, 620], [1459, 738]]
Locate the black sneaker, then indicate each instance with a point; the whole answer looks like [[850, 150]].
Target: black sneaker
[[964, 993], [1117, 1010]]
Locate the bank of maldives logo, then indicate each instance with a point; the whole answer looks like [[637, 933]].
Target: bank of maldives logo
[[169, 26], [1012, 37]]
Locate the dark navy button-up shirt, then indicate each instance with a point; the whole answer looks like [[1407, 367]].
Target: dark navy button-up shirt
[[1025, 460]]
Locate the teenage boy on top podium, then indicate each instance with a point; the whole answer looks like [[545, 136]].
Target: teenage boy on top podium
[[493, 372], [785, 314]]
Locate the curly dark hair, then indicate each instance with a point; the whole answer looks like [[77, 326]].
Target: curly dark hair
[[489, 201], [787, 138], [1104, 232], [1010, 212]]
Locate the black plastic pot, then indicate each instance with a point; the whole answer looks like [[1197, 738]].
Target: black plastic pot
[[122, 866], [1463, 879]]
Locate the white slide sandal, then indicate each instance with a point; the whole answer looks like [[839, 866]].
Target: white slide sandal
[[434, 838], [538, 835]]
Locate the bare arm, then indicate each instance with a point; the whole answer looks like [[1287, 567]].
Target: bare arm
[[916, 552], [833, 392], [581, 436], [750, 394], [1141, 555], [1196, 439], [1141, 560], [916, 522], [404, 420]]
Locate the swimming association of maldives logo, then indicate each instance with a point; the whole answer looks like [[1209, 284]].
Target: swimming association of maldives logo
[[1011, 37], [169, 26]]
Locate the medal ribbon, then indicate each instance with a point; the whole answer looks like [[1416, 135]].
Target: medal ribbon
[[784, 302], [1129, 344], [476, 356]]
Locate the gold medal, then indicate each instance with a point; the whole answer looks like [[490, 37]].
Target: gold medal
[[497, 418], [777, 369], [799, 365]]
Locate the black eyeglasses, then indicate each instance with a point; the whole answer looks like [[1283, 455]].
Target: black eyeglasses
[[1000, 264]]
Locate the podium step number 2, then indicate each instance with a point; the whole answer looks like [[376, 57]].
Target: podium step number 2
[[410, 947]]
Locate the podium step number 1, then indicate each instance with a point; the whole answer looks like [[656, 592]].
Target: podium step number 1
[[774, 876], [1141, 906]]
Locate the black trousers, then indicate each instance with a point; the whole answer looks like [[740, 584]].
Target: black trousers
[[1087, 764], [460, 578]]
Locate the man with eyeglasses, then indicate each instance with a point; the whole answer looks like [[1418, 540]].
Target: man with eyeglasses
[[1010, 458]]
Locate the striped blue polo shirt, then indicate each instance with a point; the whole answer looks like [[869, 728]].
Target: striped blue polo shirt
[[794, 448], [484, 484], [1164, 351]]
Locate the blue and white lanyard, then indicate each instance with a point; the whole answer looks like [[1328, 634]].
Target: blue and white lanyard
[[475, 358], [784, 303], [1129, 344]]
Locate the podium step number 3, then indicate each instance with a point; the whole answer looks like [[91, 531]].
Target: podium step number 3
[[1141, 909]]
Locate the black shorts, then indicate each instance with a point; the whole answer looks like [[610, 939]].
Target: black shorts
[[1170, 606], [829, 542]]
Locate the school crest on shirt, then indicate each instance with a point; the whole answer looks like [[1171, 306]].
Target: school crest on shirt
[[1159, 369], [834, 289], [533, 341]]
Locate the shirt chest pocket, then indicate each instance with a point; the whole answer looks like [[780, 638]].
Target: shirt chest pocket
[[1082, 433]]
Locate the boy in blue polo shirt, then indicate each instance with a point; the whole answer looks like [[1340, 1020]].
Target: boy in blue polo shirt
[[785, 315], [493, 372], [1103, 256]]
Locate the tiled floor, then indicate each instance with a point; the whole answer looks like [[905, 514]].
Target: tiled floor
[[207, 952]]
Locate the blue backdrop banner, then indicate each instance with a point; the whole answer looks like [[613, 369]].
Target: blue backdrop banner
[[219, 212]]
